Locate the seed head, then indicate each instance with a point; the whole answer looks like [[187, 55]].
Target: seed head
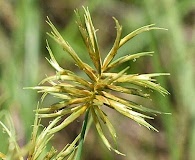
[[103, 86]]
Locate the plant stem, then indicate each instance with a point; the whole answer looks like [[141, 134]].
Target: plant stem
[[83, 131]]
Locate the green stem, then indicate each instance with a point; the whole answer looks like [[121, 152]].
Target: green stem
[[83, 131]]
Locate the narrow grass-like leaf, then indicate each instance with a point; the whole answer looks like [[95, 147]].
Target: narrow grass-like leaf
[[83, 134]]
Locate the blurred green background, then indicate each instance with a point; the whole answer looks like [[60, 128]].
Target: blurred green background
[[22, 63]]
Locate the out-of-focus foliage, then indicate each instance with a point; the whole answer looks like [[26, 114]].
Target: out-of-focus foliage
[[22, 62]]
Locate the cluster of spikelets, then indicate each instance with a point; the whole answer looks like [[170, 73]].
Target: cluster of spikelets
[[80, 96], [102, 88]]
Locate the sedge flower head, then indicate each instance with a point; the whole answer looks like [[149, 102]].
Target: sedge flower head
[[103, 86]]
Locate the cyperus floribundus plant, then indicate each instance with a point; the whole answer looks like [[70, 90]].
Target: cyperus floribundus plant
[[102, 88]]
